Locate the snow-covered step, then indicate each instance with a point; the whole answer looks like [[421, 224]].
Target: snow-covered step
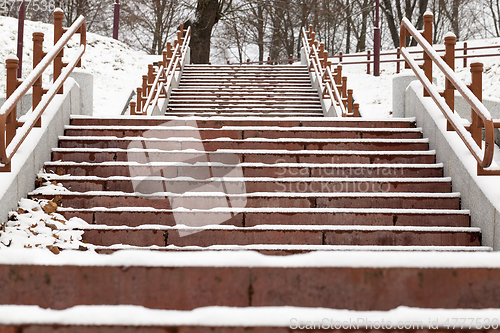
[[207, 200], [250, 143], [282, 235], [112, 181], [244, 132], [231, 113], [282, 249], [188, 280], [201, 170], [236, 156], [248, 217]]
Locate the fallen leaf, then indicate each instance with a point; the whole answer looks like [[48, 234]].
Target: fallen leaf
[[50, 207], [51, 226], [21, 211], [54, 249], [83, 248]]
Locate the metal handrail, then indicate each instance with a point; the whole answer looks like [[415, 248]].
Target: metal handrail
[[484, 156], [8, 149], [165, 75], [324, 78]]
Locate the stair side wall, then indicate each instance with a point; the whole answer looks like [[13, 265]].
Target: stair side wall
[[479, 194], [36, 149]]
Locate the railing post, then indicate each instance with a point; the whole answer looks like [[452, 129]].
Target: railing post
[[268, 60], [139, 101], [350, 101], [398, 64], [476, 87], [11, 65], [427, 34], [465, 54], [402, 43], [313, 39], [340, 56], [325, 59], [450, 40], [132, 108], [338, 76], [38, 55], [355, 109], [165, 58], [58, 32], [170, 51], [150, 79], [368, 57], [291, 59], [344, 90]]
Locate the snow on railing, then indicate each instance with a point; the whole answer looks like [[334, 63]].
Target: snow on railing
[[472, 136], [331, 85], [157, 83], [12, 132]]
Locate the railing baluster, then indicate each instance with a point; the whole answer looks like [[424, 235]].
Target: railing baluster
[[11, 65], [368, 56], [38, 55], [58, 32], [427, 34], [465, 54], [476, 128]]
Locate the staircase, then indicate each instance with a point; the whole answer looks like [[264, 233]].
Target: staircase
[[244, 160]]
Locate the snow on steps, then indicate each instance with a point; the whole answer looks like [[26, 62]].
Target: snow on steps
[[377, 236], [188, 280]]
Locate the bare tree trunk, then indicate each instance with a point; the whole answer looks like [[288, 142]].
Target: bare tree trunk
[[207, 15]]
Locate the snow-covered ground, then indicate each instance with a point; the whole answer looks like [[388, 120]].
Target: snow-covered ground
[[374, 94], [116, 67]]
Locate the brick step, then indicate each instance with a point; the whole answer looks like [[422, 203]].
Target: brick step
[[244, 100], [244, 82], [218, 122], [234, 157], [201, 171], [249, 217], [213, 145], [192, 200], [241, 132], [213, 113], [251, 93], [258, 184], [242, 90], [333, 280], [272, 79], [283, 235], [265, 74], [286, 250], [245, 68], [238, 112], [258, 105]]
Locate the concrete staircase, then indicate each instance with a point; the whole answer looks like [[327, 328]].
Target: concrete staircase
[[244, 160]]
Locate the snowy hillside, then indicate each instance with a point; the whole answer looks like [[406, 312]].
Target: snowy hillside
[[116, 67], [375, 93]]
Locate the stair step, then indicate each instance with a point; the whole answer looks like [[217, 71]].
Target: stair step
[[114, 182], [175, 280], [242, 132], [96, 155], [282, 235], [215, 144], [200, 200], [202, 171], [271, 114], [248, 217]]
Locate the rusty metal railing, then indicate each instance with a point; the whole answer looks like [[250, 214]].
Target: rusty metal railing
[[156, 84], [331, 84], [12, 132], [472, 136]]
